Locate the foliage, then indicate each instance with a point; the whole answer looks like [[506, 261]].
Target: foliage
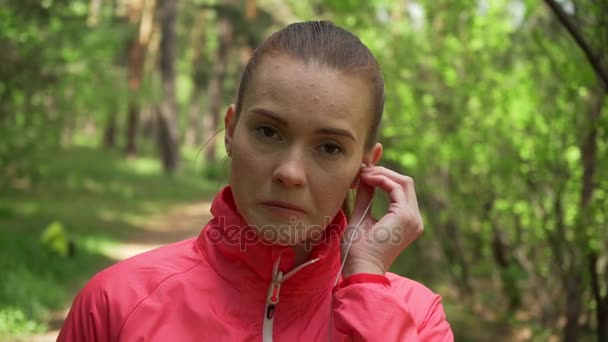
[[489, 108], [91, 197]]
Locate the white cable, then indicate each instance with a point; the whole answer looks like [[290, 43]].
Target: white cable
[[352, 236]]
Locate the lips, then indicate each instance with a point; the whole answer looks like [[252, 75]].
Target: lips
[[284, 206]]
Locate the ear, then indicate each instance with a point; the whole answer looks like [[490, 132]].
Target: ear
[[230, 125], [370, 157]]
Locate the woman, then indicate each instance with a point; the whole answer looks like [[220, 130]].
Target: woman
[[302, 133]]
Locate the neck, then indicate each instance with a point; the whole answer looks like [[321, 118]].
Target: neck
[[301, 254]]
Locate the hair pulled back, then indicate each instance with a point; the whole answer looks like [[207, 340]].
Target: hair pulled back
[[329, 46]]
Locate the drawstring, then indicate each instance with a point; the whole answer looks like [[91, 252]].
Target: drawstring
[[350, 242], [283, 277], [278, 278]]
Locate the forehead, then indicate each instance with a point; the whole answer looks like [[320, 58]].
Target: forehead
[[309, 92]]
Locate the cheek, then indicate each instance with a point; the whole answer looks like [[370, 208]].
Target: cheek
[[244, 164], [250, 169], [247, 166], [333, 188]]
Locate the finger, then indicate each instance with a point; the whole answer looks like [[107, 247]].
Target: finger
[[405, 181], [395, 190], [394, 176]]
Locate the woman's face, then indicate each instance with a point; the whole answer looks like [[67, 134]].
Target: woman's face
[[297, 146]]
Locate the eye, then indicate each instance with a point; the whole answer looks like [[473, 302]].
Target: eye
[[331, 149], [267, 132]]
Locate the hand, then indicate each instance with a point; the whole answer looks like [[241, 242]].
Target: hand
[[378, 243]]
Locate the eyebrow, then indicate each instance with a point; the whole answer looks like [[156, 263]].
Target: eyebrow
[[324, 130]]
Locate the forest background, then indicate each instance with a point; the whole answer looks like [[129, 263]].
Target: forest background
[[111, 115]]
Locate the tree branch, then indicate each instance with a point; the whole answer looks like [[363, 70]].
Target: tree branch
[[580, 40]]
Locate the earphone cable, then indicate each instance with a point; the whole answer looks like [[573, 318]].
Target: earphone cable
[[350, 242]]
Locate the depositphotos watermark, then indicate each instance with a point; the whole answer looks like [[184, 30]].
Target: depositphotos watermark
[[298, 233]]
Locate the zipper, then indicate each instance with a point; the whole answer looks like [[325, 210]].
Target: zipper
[[272, 297]]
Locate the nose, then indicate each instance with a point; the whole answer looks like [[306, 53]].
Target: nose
[[290, 169]]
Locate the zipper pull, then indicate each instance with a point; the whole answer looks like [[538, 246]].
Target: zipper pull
[[275, 289]]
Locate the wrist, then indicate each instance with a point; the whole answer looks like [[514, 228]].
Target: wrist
[[362, 266]]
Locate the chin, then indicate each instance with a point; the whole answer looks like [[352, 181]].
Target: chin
[[281, 232]]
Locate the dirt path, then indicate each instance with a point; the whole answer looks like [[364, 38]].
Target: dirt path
[[178, 223]]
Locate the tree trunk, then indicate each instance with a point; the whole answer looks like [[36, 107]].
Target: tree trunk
[[194, 128], [453, 232], [576, 28], [601, 312], [216, 84], [109, 136], [589, 148], [250, 9], [168, 113], [589, 153], [501, 257], [573, 305], [94, 9], [131, 133], [137, 57], [589, 161], [451, 247]]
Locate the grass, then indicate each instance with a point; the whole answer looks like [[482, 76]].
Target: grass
[[99, 198]]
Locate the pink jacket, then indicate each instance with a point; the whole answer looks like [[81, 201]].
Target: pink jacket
[[226, 285]]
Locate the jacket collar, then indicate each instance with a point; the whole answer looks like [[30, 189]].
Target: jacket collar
[[233, 249]]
